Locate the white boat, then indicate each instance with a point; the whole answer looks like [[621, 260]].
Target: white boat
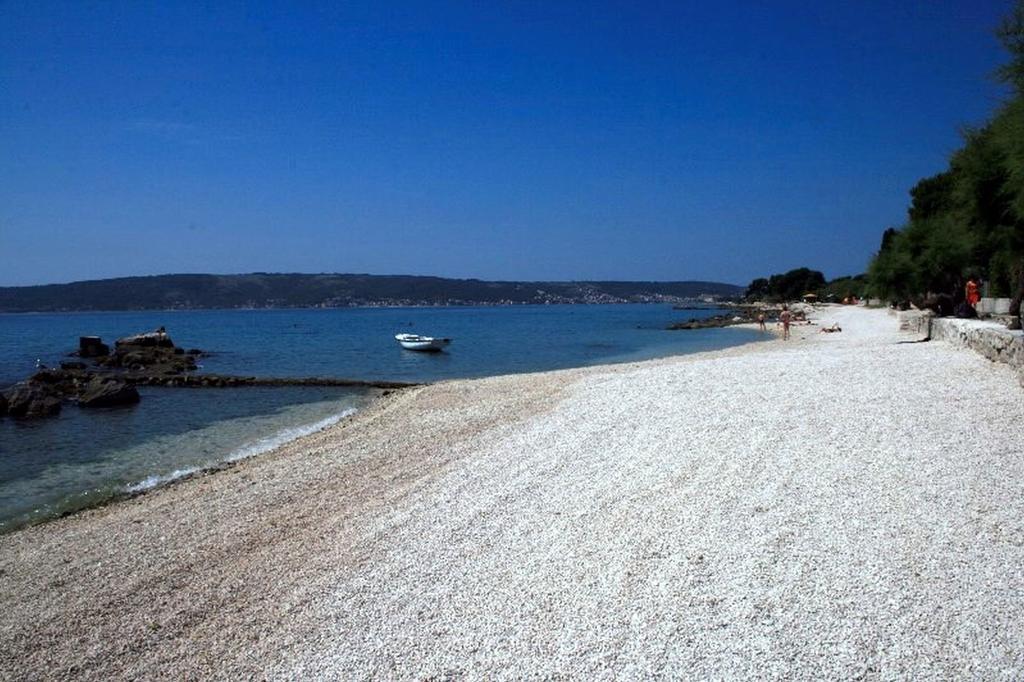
[[417, 342]]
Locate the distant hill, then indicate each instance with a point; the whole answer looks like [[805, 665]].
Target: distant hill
[[263, 290]]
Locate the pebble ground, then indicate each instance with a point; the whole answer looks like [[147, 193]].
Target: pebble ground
[[835, 506]]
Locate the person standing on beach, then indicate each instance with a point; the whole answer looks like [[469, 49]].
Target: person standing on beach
[[784, 317], [760, 321], [971, 292]]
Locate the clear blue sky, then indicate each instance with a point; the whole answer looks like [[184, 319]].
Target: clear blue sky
[[500, 140]]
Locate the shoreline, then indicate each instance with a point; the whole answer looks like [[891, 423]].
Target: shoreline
[[445, 500], [233, 458], [382, 389]]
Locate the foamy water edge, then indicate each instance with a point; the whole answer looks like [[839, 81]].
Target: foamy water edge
[[259, 447]]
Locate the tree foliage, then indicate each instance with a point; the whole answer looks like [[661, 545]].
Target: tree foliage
[[842, 288], [969, 219], [787, 286]]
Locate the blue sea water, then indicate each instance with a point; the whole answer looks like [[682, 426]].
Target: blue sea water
[[82, 457]]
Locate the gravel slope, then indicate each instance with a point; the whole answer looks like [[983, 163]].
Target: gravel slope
[[834, 506]]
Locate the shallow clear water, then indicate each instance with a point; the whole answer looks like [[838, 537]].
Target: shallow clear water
[[80, 458], [52, 466]]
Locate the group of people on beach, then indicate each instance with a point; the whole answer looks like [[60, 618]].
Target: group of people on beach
[[785, 319]]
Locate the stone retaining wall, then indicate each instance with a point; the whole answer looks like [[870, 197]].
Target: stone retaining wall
[[914, 325], [990, 339]]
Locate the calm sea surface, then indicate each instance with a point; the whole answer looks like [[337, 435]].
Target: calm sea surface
[[52, 466]]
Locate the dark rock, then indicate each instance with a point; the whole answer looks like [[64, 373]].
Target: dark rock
[[72, 365], [152, 353], [194, 351], [941, 304], [31, 400], [966, 311], [92, 347], [135, 359], [712, 322], [100, 392], [48, 376], [3, 405]]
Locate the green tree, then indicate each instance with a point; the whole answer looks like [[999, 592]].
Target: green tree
[[969, 219], [932, 196], [757, 289], [1011, 35], [892, 274]]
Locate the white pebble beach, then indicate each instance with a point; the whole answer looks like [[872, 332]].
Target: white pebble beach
[[834, 506]]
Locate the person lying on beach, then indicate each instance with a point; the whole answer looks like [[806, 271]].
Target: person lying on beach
[[829, 330]]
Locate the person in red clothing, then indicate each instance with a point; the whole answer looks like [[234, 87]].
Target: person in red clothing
[[971, 290]]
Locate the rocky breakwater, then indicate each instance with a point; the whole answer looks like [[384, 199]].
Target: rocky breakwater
[[103, 377], [740, 315], [100, 377]]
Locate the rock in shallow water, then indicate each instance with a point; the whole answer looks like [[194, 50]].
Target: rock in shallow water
[[100, 392], [28, 401]]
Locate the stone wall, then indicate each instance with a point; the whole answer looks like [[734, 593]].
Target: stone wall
[[990, 339], [915, 325]]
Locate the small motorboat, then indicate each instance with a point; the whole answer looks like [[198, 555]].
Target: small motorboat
[[424, 343]]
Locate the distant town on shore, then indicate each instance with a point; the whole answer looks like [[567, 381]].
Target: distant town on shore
[[268, 290]]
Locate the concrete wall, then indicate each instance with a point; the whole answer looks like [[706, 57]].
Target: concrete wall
[[993, 306]]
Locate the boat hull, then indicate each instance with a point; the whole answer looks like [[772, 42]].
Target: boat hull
[[427, 344]]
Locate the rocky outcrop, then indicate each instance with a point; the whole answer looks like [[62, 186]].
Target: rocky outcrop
[[107, 392], [153, 353], [741, 315], [101, 377], [3, 405], [157, 339], [55, 382], [110, 378], [710, 322], [30, 400]]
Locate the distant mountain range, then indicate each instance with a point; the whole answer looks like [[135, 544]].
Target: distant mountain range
[[264, 290]]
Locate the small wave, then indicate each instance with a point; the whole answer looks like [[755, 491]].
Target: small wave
[[160, 479], [257, 448], [281, 437]]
